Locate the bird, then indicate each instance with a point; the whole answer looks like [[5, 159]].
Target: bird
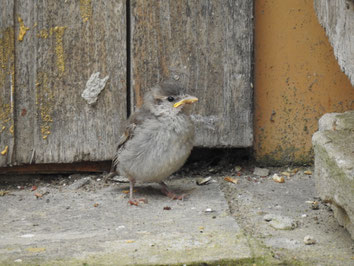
[[157, 140]]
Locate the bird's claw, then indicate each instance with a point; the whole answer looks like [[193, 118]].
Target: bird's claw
[[136, 202], [175, 196]]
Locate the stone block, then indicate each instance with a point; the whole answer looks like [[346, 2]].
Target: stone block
[[334, 165]]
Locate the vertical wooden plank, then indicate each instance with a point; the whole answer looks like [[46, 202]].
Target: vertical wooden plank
[[207, 45], [67, 42], [7, 46]]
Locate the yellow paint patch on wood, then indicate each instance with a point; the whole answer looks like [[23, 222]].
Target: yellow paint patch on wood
[[4, 151], [59, 48], [7, 51], [45, 102], [23, 29], [43, 33], [5, 113], [11, 129], [5, 116], [85, 10]]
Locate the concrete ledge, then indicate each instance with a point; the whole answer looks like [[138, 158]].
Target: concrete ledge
[[97, 226], [334, 165]]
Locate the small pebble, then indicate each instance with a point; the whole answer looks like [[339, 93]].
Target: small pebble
[[315, 205], [308, 172], [27, 235], [309, 240], [261, 171], [278, 179], [204, 181], [238, 168], [120, 227], [208, 210], [267, 217]]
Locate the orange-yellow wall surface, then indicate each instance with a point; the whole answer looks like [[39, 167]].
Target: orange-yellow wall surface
[[297, 80]]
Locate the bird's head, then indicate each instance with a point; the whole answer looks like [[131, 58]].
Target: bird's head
[[169, 98]]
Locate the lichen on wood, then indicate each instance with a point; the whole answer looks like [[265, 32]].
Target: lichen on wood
[[45, 102], [59, 48], [23, 29], [85, 10]]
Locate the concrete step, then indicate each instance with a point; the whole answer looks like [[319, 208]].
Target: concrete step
[[74, 227], [334, 165]]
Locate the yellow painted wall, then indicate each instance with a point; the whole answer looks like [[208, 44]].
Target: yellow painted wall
[[297, 80]]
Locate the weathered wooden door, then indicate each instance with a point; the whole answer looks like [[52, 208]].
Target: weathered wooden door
[[52, 51]]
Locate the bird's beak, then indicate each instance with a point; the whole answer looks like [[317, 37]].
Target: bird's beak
[[186, 100]]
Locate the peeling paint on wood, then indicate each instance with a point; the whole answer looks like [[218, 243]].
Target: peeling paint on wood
[[94, 86]]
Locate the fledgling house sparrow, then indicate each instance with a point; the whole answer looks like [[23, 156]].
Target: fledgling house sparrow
[[158, 138]]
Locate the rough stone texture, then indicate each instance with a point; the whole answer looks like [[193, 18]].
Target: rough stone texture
[[334, 165], [337, 17]]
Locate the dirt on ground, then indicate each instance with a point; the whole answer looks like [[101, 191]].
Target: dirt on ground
[[276, 207]]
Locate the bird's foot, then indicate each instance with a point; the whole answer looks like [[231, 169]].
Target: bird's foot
[[174, 196], [165, 190], [136, 202]]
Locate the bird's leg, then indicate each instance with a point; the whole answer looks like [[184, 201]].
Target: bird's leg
[[132, 200], [165, 190]]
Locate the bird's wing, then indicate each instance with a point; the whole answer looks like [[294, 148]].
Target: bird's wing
[[136, 119]]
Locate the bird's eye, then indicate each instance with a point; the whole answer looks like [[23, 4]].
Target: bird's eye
[[170, 98]]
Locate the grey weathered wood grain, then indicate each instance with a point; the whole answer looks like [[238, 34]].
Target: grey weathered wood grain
[[66, 43], [337, 17], [7, 72], [208, 46]]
